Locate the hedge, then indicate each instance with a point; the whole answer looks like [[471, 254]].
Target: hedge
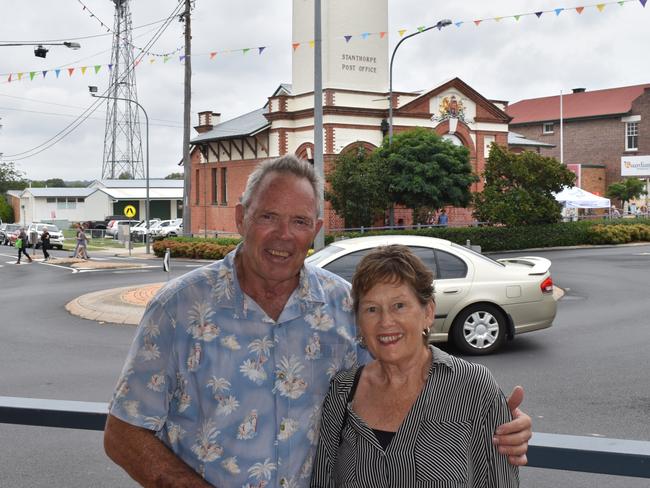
[[491, 239]]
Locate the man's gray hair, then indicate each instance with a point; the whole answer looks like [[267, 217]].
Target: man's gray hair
[[288, 164]]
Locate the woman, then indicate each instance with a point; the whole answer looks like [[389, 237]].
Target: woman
[[82, 241], [415, 416], [45, 243]]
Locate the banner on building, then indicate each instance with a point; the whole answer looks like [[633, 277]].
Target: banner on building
[[635, 166]]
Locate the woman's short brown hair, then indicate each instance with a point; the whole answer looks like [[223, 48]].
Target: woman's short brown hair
[[392, 264]]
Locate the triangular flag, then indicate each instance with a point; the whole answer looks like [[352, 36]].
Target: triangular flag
[[401, 32], [31, 75], [181, 58], [539, 14], [579, 9], [83, 70], [58, 72], [558, 11], [110, 67], [295, 45], [70, 71], [517, 17], [20, 76], [44, 73], [643, 2], [9, 79], [382, 35], [458, 24], [365, 35], [261, 49], [212, 55], [97, 68], [312, 44], [152, 60], [347, 38], [497, 19], [621, 3], [477, 22], [600, 7], [165, 59], [420, 28], [246, 50]]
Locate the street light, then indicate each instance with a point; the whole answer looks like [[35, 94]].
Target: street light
[[93, 92], [39, 50], [439, 25]]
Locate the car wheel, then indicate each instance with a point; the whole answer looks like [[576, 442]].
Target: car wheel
[[60, 248], [479, 329]]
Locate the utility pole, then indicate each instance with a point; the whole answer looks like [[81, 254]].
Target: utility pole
[[319, 166], [187, 113]]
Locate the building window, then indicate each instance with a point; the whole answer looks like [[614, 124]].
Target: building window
[[547, 128], [197, 180], [50, 200], [224, 186], [631, 136], [214, 187], [66, 203]]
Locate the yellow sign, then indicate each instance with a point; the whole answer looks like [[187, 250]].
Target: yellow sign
[[129, 211]]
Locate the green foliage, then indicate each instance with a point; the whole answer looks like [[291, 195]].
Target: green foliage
[[125, 176], [626, 189], [519, 189], [427, 171], [501, 238], [357, 187], [11, 178], [174, 176], [194, 248], [6, 210]]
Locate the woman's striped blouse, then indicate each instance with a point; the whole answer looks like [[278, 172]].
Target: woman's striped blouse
[[444, 441]]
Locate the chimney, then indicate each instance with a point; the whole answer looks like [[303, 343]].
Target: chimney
[[579, 90], [207, 121]]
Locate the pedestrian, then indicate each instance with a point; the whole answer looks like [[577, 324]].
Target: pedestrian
[[229, 366], [45, 243], [21, 244], [615, 213], [82, 243], [443, 218]]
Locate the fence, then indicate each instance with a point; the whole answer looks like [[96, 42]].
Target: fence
[[618, 457]]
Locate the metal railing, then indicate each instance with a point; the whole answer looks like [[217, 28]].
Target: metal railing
[[618, 457]]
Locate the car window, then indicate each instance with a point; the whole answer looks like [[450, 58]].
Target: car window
[[345, 265], [449, 266]]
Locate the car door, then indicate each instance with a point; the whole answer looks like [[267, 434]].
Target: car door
[[452, 281]]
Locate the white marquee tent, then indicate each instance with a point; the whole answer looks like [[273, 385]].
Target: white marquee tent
[[575, 197]]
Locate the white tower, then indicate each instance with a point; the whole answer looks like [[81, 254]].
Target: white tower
[[358, 64]]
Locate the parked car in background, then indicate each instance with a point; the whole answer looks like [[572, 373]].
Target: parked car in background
[[174, 229], [480, 302], [35, 229], [111, 228], [139, 230], [5, 231], [157, 227]]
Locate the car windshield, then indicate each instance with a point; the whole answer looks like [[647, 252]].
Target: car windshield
[[324, 253], [51, 228], [478, 254]]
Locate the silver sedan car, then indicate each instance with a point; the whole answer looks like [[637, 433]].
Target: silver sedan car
[[480, 302]]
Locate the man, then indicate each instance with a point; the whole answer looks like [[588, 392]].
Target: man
[[443, 218], [230, 364], [45, 243], [21, 244]]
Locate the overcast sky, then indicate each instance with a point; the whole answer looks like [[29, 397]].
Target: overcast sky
[[505, 60]]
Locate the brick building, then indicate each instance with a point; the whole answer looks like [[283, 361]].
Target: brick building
[[355, 112], [602, 129]]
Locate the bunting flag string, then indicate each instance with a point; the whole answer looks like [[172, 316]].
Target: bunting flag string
[[295, 45]]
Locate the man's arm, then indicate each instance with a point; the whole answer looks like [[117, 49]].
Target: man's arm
[[512, 438], [146, 459]]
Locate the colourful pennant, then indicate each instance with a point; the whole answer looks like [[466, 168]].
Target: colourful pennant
[[347, 38], [539, 14], [246, 50], [9, 79], [312, 44], [477, 22], [420, 28], [212, 55], [83, 70], [643, 2], [458, 24], [20, 76], [382, 35], [31, 75], [58, 72], [600, 7], [295, 45], [70, 71], [261, 50], [365, 35], [579, 9], [517, 17], [401, 32], [498, 19], [97, 68], [44, 73], [558, 11]]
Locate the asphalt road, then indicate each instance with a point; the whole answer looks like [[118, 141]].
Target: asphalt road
[[587, 375]]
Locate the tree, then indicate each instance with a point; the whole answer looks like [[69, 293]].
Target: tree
[[357, 188], [125, 176], [519, 188], [6, 211], [175, 176], [427, 171], [626, 190], [11, 178]]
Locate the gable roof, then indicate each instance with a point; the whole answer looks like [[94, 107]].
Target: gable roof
[[139, 183], [60, 192], [597, 103], [463, 87], [515, 139], [245, 125]]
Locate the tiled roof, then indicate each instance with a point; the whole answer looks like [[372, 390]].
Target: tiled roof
[[612, 101], [244, 125], [515, 139]]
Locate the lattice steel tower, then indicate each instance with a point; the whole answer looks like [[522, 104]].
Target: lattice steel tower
[[122, 139]]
